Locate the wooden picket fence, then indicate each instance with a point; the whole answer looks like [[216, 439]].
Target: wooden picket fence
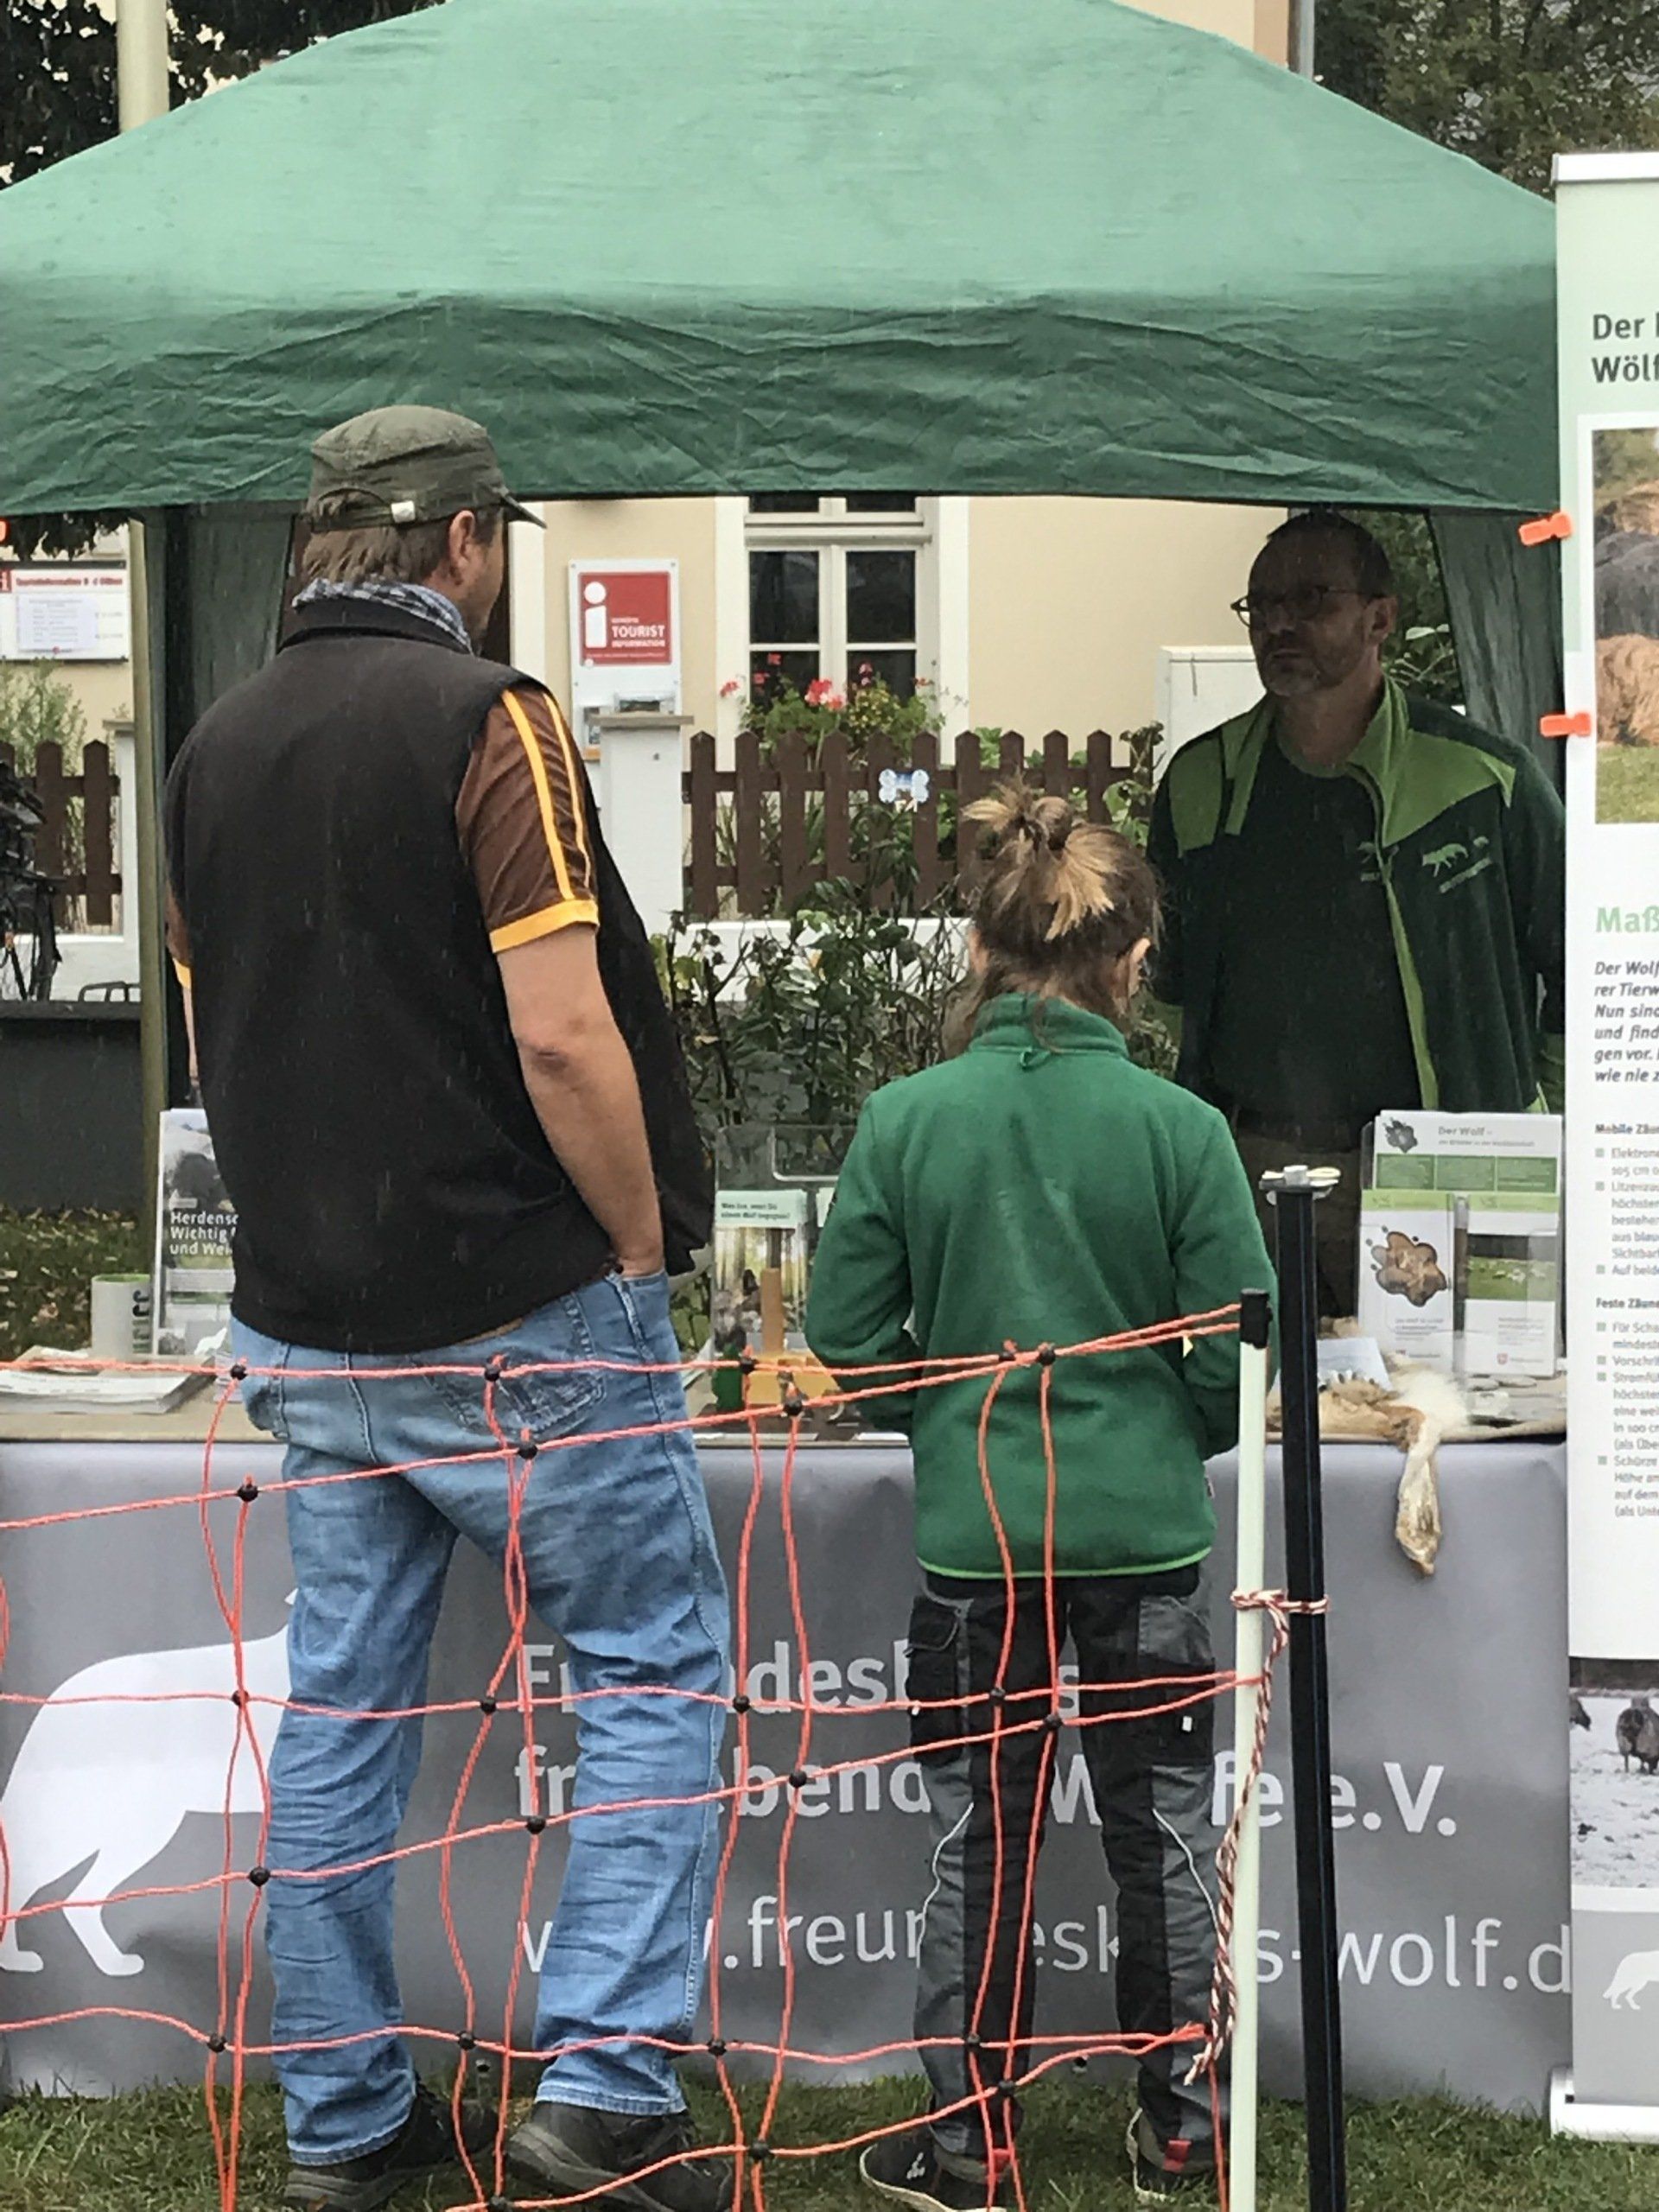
[[764, 831], [75, 843]]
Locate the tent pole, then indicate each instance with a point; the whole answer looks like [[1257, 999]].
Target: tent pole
[[144, 874], [141, 94], [1295, 1192], [1251, 1574], [1300, 56], [141, 77]]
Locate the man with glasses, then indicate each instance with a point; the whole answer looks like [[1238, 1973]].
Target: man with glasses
[[1364, 890]]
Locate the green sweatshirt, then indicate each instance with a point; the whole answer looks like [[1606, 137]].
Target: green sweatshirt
[[1042, 1189]]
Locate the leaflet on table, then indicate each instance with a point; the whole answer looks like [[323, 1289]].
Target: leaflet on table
[[1509, 1281], [1406, 1268], [68, 1383], [1502, 1175], [194, 1225], [756, 1231], [1420, 1150]]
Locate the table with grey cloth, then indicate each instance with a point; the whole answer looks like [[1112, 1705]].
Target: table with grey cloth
[[1449, 1724]]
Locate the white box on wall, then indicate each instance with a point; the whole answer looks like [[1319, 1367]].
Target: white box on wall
[[1200, 686]]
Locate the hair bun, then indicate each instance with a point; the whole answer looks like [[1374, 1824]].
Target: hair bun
[[1014, 810]]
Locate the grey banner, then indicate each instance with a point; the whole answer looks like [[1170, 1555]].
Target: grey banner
[[1451, 1755]]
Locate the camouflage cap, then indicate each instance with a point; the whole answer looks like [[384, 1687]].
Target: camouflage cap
[[398, 464]]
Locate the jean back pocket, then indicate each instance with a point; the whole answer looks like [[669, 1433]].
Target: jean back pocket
[[545, 1384]]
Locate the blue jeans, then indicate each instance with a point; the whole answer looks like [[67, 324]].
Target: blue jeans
[[620, 1561]]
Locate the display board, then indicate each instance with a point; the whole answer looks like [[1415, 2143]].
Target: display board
[[57, 612], [624, 640], [1448, 1797], [1608, 306], [195, 1223]]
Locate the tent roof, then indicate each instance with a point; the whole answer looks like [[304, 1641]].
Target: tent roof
[[699, 245]]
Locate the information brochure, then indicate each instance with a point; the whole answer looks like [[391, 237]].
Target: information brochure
[[755, 1230], [195, 1224], [1460, 1240]]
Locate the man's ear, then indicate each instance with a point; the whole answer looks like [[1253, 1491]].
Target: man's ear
[[1384, 620], [459, 542]]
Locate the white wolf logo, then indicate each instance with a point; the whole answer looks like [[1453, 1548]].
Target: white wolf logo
[[112, 1783], [1637, 1971]]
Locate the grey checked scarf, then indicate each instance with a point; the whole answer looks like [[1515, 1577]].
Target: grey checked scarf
[[412, 599]]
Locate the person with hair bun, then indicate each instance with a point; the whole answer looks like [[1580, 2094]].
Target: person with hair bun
[[1038, 1188]]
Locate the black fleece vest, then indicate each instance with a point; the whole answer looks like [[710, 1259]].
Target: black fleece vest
[[393, 1188]]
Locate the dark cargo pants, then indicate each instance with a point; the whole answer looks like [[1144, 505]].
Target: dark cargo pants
[[1152, 1779]]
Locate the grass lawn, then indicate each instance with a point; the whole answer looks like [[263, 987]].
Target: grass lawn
[[149, 2153], [1627, 783], [46, 1264]]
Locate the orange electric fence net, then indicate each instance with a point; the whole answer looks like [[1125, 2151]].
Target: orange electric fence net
[[986, 1720]]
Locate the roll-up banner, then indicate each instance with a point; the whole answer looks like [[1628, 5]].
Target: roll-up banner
[[1608, 335]]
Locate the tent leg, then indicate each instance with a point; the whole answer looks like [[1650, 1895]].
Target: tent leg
[[142, 873], [1295, 1192], [1249, 1639]]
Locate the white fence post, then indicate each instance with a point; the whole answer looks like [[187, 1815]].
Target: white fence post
[[1249, 1643], [641, 762], [90, 957]]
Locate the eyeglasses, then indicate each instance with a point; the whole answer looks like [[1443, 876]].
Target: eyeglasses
[[1304, 603]]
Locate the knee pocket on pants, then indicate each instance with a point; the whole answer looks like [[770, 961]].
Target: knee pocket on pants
[[1172, 1725]]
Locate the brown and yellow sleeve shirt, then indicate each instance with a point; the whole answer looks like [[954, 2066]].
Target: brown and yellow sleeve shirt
[[522, 821]]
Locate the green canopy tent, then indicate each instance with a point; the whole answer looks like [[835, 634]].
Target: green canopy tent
[[700, 245], [682, 246]]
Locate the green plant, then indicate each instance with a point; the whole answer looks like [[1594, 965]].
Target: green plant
[[801, 1023], [46, 1264], [1508, 82], [1421, 653], [1129, 808], [869, 709], [38, 707], [1424, 659]]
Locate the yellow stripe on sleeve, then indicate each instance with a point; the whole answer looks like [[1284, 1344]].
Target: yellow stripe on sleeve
[[562, 917], [573, 776], [543, 798]]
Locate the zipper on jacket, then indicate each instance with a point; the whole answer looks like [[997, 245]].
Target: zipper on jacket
[[1411, 988]]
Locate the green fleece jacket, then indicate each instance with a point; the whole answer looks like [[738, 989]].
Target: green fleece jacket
[[1042, 1189], [1471, 840]]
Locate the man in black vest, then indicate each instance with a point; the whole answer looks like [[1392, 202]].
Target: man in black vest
[[447, 1103]]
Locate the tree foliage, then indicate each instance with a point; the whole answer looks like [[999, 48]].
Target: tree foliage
[[57, 62], [1511, 83]]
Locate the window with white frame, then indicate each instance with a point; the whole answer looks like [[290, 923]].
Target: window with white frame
[[840, 590]]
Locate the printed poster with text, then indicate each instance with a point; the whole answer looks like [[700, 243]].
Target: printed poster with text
[[1608, 306]]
